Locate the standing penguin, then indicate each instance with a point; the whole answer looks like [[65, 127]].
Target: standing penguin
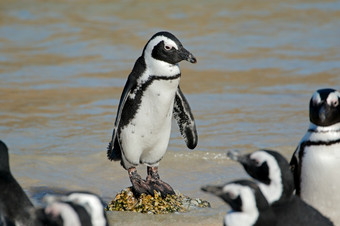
[[248, 204], [316, 161], [276, 182], [14, 203], [150, 98]]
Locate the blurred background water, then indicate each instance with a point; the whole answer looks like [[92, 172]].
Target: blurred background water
[[63, 65]]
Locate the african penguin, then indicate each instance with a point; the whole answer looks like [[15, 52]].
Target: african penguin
[[316, 161], [14, 203], [248, 204], [150, 98], [276, 182], [74, 209], [271, 169]]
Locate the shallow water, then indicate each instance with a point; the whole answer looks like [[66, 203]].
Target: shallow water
[[63, 67]]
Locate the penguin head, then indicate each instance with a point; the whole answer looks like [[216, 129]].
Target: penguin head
[[256, 164], [324, 107], [164, 47], [4, 159], [93, 205], [271, 169], [240, 195], [243, 196], [89, 202], [56, 213]]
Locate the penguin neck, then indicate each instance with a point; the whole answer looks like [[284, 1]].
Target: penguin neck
[[274, 190], [320, 129], [322, 133]]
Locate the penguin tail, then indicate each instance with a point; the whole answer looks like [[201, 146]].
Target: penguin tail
[[113, 151]]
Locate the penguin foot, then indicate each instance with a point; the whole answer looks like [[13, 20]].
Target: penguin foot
[[139, 185], [160, 186], [150, 185], [156, 184]]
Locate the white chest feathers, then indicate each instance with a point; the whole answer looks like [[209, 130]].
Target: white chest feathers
[[320, 178], [146, 138]]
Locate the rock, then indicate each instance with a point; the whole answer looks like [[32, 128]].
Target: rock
[[125, 201]]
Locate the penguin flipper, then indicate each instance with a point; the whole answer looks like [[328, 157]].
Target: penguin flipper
[[296, 170], [113, 149], [185, 119]]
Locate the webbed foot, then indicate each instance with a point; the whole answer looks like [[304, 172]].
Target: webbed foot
[[155, 183], [139, 185], [150, 185]]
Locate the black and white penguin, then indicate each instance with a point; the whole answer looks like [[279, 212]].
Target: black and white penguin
[[74, 209], [248, 204], [150, 98], [316, 161], [271, 169], [14, 203], [276, 182]]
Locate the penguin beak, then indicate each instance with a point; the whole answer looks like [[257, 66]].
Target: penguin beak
[[235, 156], [216, 190], [322, 113], [186, 55]]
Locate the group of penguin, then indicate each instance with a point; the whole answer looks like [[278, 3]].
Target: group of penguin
[[299, 193], [304, 192]]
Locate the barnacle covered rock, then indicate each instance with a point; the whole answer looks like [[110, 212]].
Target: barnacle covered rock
[[126, 201]]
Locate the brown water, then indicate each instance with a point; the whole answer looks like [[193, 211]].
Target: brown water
[[63, 67]]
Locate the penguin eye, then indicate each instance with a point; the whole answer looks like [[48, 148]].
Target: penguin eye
[[167, 47], [232, 195], [256, 162], [335, 103]]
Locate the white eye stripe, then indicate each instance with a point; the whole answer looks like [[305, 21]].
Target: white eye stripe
[[274, 190], [246, 194], [158, 39], [259, 157], [333, 98], [316, 98]]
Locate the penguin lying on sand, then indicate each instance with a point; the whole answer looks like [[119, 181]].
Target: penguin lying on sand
[[316, 161], [150, 98], [14, 203], [276, 182]]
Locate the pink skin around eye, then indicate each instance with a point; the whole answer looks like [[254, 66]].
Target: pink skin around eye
[[335, 103]]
